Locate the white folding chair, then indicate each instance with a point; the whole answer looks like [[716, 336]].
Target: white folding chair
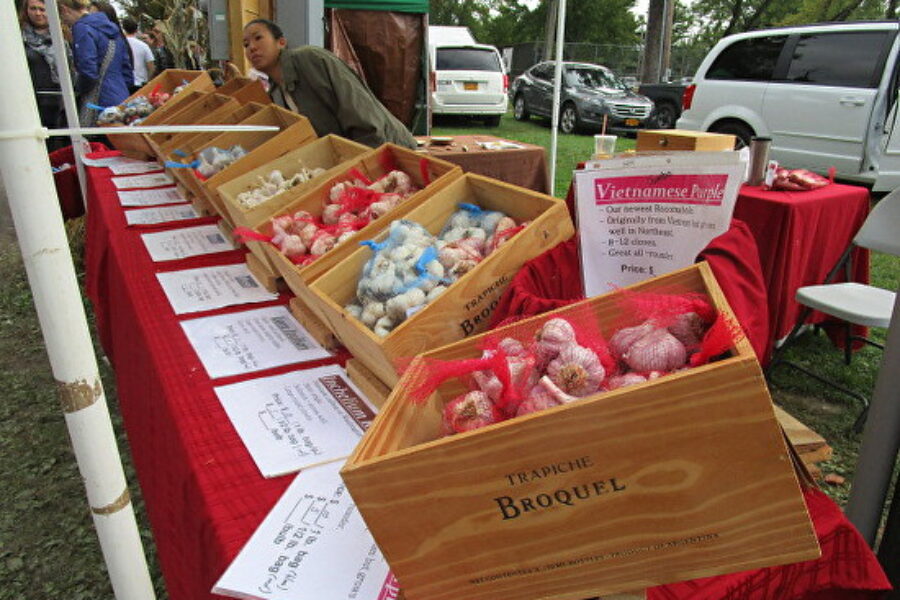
[[853, 303]]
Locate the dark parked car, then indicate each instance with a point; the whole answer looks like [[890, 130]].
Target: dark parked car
[[589, 93], [667, 102]]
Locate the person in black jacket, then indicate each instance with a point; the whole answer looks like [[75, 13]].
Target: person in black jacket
[[42, 63]]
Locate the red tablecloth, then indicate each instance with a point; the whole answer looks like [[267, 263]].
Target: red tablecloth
[[204, 495], [800, 237]]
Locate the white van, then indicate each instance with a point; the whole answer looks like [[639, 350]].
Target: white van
[[466, 78], [825, 94]]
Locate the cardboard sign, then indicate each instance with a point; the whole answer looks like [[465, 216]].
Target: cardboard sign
[[645, 216]]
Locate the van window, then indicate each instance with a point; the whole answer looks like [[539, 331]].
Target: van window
[[752, 59], [847, 59], [467, 59]]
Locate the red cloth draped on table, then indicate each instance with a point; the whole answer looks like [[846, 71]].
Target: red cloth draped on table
[[553, 279], [847, 569], [67, 188], [800, 237], [204, 494]]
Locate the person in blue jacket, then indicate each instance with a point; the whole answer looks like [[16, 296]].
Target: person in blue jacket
[[101, 59]]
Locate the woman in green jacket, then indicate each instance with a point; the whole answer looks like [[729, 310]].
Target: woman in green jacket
[[317, 84]]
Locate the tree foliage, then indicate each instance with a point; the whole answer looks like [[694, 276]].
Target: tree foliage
[[507, 22], [725, 17]]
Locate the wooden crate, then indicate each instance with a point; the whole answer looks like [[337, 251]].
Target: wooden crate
[[233, 117], [466, 307], [682, 477], [330, 153], [135, 144], [245, 90], [374, 165], [666, 140], [207, 109], [269, 115], [296, 131]]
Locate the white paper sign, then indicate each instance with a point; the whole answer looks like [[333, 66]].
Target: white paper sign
[[132, 168], [195, 290], [176, 244], [297, 420], [161, 214], [109, 161], [249, 341], [149, 180], [168, 195], [646, 216], [313, 545]]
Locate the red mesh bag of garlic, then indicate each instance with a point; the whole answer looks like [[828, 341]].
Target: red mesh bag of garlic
[[351, 205], [539, 365]]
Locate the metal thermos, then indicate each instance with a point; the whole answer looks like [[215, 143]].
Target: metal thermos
[[759, 158]]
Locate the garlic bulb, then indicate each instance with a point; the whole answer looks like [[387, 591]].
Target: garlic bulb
[[322, 244], [274, 184], [656, 351], [521, 375], [556, 332], [511, 347], [576, 370], [371, 312], [435, 292], [398, 307], [538, 399], [551, 338], [624, 380], [688, 328], [468, 412], [331, 213], [383, 326], [623, 339], [553, 390]]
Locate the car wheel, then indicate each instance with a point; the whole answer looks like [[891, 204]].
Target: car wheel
[[568, 119], [664, 116], [492, 121], [520, 113], [739, 130]]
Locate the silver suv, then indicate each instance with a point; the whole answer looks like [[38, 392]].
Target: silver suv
[[589, 93], [825, 94]]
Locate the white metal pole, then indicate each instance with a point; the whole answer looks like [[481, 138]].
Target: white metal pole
[[557, 82], [881, 439], [79, 144], [25, 169]]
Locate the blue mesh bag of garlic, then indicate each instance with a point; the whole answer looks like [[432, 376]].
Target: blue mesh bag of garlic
[[210, 160], [412, 267]]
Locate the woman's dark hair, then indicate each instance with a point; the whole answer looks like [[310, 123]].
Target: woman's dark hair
[[273, 28]]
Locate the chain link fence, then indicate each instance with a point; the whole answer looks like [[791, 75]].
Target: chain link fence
[[624, 60]]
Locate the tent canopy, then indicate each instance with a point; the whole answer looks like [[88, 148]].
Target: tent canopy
[[408, 6]]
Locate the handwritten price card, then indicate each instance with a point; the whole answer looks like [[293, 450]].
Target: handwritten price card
[[641, 217]]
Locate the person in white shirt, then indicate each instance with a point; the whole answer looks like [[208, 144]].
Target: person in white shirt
[[144, 67]]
